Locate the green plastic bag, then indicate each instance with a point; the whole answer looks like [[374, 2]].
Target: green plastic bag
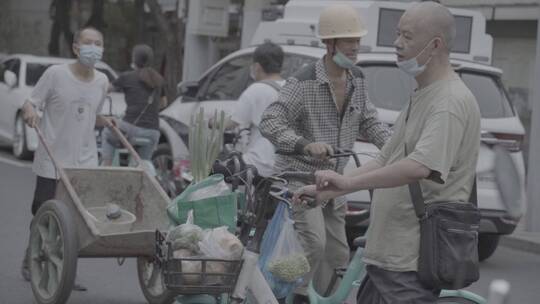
[[211, 212]]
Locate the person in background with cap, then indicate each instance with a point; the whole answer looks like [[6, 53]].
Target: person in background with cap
[[144, 93], [324, 105]]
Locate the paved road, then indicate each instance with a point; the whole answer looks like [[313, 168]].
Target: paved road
[[111, 284], [106, 281]]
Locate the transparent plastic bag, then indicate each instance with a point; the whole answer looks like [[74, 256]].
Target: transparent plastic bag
[[282, 261], [219, 243]]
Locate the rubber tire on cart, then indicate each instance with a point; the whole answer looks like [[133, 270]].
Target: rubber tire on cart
[[157, 293], [20, 147], [455, 300], [53, 253], [487, 243]]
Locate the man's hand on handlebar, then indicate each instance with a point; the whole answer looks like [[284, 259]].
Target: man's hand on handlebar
[[330, 180], [305, 195], [319, 150]]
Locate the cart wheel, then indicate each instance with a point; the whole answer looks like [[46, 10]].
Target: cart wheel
[[151, 282], [53, 253]]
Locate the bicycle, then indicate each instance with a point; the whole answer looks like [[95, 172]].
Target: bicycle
[[251, 287], [507, 180]]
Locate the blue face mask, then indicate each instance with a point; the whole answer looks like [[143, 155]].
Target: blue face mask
[[342, 61], [411, 66], [89, 54]]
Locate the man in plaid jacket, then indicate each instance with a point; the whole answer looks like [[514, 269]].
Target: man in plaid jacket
[[324, 105]]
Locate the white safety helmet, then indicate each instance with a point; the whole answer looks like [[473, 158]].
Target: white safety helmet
[[340, 21]]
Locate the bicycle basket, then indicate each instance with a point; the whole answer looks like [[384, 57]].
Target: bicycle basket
[[196, 275]]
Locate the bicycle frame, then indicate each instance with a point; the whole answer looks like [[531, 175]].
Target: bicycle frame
[[355, 274]]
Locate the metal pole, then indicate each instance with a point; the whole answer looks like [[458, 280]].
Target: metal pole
[[532, 216]]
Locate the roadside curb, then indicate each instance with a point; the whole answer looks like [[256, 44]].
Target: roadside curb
[[523, 242]]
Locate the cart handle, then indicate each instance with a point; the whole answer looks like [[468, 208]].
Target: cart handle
[[125, 142]]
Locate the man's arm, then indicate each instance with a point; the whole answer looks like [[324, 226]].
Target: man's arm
[[277, 119], [368, 167], [330, 184], [397, 174]]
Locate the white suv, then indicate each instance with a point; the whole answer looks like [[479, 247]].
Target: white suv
[[388, 88], [18, 75]]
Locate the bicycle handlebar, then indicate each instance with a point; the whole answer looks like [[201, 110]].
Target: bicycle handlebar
[[282, 193], [338, 153]]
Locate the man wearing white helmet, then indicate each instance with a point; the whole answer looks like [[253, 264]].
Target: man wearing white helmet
[[324, 105]]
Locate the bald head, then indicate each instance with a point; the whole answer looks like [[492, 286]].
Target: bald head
[[432, 19]]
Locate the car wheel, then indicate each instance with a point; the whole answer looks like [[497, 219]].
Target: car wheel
[[20, 148], [487, 243], [163, 163]]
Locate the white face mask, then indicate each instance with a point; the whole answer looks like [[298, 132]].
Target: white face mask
[[411, 67]]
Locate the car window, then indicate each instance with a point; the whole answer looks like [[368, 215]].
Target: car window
[[388, 87], [489, 94], [293, 63], [229, 81], [34, 72]]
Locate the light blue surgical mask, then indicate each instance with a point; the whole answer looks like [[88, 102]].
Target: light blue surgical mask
[[89, 54], [411, 66], [342, 61]]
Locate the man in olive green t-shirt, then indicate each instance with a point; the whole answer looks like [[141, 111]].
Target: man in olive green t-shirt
[[441, 129]]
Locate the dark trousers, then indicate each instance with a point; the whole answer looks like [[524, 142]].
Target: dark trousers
[[390, 287], [45, 190]]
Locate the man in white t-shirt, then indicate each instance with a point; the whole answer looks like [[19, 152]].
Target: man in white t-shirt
[[71, 97], [265, 70]]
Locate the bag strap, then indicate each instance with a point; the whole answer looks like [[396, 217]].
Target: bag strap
[[416, 195], [148, 103], [271, 83]]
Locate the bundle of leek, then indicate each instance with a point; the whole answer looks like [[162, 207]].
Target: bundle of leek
[[205, 143]]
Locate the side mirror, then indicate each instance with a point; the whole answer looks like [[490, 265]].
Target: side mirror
[[508, 182], [10, 78], [188, 88]]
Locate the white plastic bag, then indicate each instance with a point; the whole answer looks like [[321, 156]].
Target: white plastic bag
[[218, 189], [288, 261], [219, 243]]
